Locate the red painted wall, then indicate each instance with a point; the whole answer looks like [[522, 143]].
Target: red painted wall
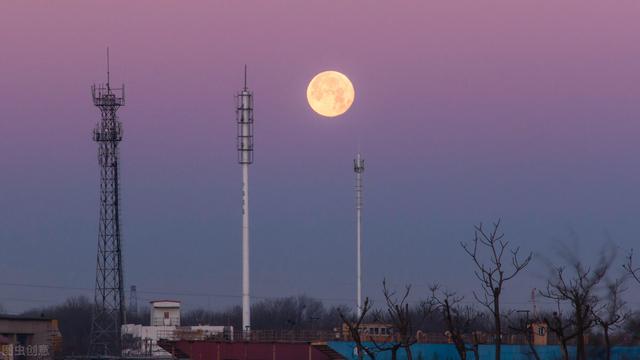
[[211, 350]]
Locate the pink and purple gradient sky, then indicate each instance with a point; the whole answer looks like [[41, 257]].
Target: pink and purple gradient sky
[[465, 111]]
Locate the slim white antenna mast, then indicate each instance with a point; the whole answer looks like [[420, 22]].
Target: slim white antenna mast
[[244, 117], [358, 167]]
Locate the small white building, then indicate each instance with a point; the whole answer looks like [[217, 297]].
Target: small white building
[[165, 313], [139, 340]]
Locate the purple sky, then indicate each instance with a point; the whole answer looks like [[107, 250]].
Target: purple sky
[[465, 111]]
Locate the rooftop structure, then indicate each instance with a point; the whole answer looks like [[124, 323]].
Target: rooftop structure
[[142, 341], [165, 313]]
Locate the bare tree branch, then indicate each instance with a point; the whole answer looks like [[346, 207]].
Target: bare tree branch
[[492, 273], [610, 315], [354, 326], [578, 288], [400, 316], [630, 268], [456, 320]]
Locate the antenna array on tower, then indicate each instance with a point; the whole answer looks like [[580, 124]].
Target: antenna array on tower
[[244, 116]]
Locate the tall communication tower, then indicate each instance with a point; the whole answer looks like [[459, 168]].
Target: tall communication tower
[[358, 167], [244, 116], [109, 306]]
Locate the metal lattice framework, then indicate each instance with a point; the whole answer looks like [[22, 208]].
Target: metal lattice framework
[[109, 306]]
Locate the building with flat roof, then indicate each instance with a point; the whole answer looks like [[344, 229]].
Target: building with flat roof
[[27, 337], [165, 313], [140, 340]]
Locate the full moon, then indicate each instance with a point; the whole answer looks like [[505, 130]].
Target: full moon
[[330, 93]]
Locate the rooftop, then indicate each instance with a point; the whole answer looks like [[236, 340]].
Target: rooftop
[[24, 318]]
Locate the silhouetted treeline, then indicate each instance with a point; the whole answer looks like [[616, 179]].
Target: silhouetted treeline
[[287, 313], [306, 313], [74, 322], [587, 300]]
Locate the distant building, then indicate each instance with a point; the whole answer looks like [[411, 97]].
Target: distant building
[[165, 313], [540, 333], [3, 343], [24, 337], [378, 332], [139, 340]]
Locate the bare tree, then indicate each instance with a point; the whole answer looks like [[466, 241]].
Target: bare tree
[[610, 315], [456, 320], [399, 315], [631, 328], [354, 328], [562, 329], [630, 267], [523, 326], [392, 346], [290, 313], [578, 288], [492, 272]]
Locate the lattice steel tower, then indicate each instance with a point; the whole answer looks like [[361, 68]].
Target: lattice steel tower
[[109, 306], [244, 117]]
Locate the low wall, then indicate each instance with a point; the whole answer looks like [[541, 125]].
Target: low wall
[[487, 352]]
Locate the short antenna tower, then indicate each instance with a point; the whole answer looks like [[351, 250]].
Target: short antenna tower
[[108, 69], [358, 168], [245, 76]]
